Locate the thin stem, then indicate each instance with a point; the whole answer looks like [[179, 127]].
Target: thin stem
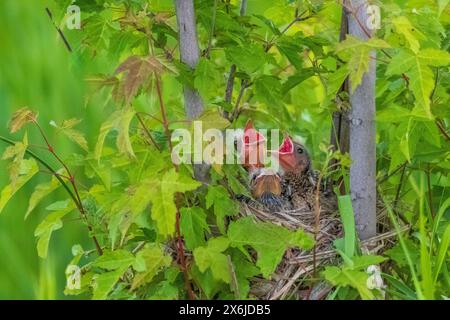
[[151, 116], [45, 164], [165, 122], [440, 126], [147, 132], [293, 22], [72, 181], [61, 34]]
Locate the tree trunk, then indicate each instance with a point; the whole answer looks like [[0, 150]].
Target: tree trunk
[[362, 133], [190, 53]]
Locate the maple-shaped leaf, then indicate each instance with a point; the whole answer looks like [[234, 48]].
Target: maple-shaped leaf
[[67, 128], [412, 35], [149, 262], [357, 54], [20, 118], [161, 194], [211, 257], [417, 67], [120, 121], [354, 274], [17, 152], [28, 169], [193, 226], [137, 71], [40, 192], [269, 240], [116, 262], [51, 223], [245, 270], [224, 206], [98, 30]]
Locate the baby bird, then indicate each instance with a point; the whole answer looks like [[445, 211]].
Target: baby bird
[[298, 179], [265, 183]]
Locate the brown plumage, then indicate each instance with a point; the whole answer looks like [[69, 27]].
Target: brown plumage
[[299, 181], [265, 184]]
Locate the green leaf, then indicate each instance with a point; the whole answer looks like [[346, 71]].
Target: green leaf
[[348, 221], [248, 58], [269, 240], [292, 49], [397, 254], [206, 77], [117, 263], [268, 89], [40, 192], [27, 170], [105, 282], [211, 257], [212, 119], [17, 152], [193, 226], [404, 27], [149, 262], [443, 252], [357, 53], [113, 260], [51, 223], [224, 206], [67, 128], [268, 23], [352, 278], [207, 282], [353, 274], [162, 197], [244, 270], [98, 30], [120, 121], [417, 67]]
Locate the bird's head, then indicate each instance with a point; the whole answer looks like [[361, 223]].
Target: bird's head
[[253, 147], [293, 156], [264, 181]]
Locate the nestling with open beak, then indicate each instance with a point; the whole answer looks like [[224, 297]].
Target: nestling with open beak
[[298, 179], [265, 183]]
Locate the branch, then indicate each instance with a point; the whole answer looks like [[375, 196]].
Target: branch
[[61, 34], [147, 132], [440, 126]]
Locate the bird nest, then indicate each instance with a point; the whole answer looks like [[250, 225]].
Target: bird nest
[[297, 265]]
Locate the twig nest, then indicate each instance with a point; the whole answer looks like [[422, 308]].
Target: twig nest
[[298, 264]]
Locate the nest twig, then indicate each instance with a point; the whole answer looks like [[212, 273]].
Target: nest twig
[[298, 264]]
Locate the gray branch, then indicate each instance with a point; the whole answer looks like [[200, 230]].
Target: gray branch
[[362, 133], [190, 53]]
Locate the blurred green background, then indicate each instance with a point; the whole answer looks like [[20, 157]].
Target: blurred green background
[[35, 71]]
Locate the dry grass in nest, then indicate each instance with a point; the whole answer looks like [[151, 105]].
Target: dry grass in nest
[[298, 265]]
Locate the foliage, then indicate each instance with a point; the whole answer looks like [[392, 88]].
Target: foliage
[[143, 213]]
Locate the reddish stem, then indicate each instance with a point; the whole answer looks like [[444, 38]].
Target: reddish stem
[[71, 178]]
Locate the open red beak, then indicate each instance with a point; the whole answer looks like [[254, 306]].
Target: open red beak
[[286, 154], [253, 147]]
